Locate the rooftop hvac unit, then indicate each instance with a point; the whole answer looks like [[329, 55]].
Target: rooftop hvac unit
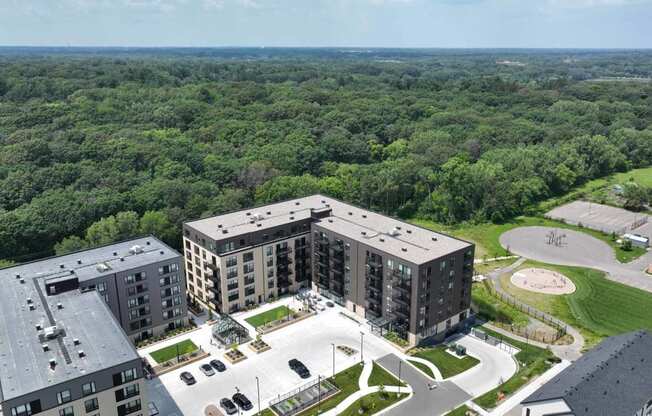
[[136, 249], [394, 232], [103, 267], [257, 216], [51, 332]]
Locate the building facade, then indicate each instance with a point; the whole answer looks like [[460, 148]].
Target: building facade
[[63, 351], [611, 379], [140, 280], [402, 278]]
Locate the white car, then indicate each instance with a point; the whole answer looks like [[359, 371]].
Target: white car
[[320, 307]]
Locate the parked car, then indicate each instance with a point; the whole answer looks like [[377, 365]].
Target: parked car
[[330, 304], [188, 378], [242, 401], [218, 365], [228, 406], [207, 370], [299, 368], [320, 307]]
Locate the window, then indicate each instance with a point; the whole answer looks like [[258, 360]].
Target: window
[[125, 376], [63, 397], [22, 410], [101, 287], [91, 405], [246, 257], [88, 388], [269, 250], [67, 411], [248, 268], [231, 261], [127, 392], [130, 407]]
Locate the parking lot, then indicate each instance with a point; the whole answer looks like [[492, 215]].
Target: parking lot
[[308, 340], [601, 217]]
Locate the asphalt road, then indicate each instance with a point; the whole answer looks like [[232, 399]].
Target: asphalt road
[[424, 402]]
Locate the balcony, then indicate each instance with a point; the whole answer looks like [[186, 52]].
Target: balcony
[[378, 263], [402, 300], [402, 312], [283, 250]]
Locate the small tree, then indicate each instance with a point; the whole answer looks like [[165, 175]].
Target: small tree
[[627, 245]]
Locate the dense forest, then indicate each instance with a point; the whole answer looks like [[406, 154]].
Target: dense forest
[[97, 146]]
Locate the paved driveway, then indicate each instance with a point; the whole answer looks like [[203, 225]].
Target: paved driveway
[[580, 249], [424, 402], [309, 341]]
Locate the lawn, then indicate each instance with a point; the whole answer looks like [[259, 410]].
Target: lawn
[[372, 403], [347, 382], [598, 308], [533, 362], [460, 411], [447, 364], [486, 236], [170, 352], [269, 316], [493, 309], [381, 377], [486, 268], [424, 368]]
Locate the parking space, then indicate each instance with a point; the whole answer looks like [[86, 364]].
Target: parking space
[[309, 341]]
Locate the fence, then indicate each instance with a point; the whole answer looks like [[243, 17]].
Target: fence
[[489, 339], [559, 326]]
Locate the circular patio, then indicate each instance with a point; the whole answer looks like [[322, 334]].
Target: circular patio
[[543, 281]]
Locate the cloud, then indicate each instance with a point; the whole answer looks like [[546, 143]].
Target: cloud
[[580, 4]]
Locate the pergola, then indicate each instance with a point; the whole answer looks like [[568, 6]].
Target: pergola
[[227, 331]]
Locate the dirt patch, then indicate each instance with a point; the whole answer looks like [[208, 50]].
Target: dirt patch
[[543, 281]]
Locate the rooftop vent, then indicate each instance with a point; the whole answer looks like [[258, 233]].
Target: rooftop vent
[[225, 231], [162, 252], [364, 215], [258, 216], [330, 220], [32, 307], [363, 232], [408, 231], [403, 249], [53, 363], [350, 213], [382, 240], [291, 212], [22, 280], [51, 332], [76, 341], [79, 261], [122, 259], [434, 238], [72, 272], [252, 221], [219, 225], [136, 249], [81, 353], [115, 253], [39, 327], [248, 213], [17, 276], [291, 218], [45, 347], [269, 212], [59, 305], [323, 201], [61, 266], [297, 203], [259, 225], [102, 267], [147, 242], [29, 301], [394, 231]]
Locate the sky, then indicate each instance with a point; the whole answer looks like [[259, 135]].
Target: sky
[[315, 23]]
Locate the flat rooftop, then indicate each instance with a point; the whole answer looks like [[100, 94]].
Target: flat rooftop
[[398, 238], [84, 320]]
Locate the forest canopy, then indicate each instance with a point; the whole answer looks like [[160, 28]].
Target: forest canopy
[[103, 146]]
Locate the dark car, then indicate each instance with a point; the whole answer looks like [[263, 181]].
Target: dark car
[[242, 401], [187, 378], [218, 365], [299, 368], [330, 304], [228, 406]]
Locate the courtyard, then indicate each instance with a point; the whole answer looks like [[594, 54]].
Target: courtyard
[[311, 341]]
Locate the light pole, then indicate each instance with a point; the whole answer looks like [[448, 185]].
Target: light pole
[[333, 359], [399, 377], [361, 346], [258, 393], [237, 390]]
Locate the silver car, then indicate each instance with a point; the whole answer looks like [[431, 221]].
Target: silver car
[[207, 370]]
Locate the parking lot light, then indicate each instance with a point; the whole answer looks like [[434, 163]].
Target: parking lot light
[[361, 347], [258, 393], [333, 359]]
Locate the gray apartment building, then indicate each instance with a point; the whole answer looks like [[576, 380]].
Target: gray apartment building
[[140, 280], [400, 277], [62, 351]]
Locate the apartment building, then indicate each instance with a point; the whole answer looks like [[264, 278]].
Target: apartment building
[[140, 280], [402, 278], [613, 379], [63, 352]]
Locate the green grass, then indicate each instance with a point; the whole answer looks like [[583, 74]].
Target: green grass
[[486, 268], [269, 316], [381, 377], [170, 352], [598, 308], [447, 364], [492, 309], [393, 337], [460, 411], [424, 368], [533, 362], [347, 382], [486, 236], [374, 403]]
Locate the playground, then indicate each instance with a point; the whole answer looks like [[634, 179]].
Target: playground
[[543, 281]]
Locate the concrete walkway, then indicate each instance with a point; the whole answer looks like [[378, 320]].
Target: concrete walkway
[[579, 249], [569, 352]]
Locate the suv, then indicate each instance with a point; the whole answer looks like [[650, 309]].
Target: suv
[[218, 365], [228, 406], [299, 368], [207, 370], [242, 401], [187, 378]]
